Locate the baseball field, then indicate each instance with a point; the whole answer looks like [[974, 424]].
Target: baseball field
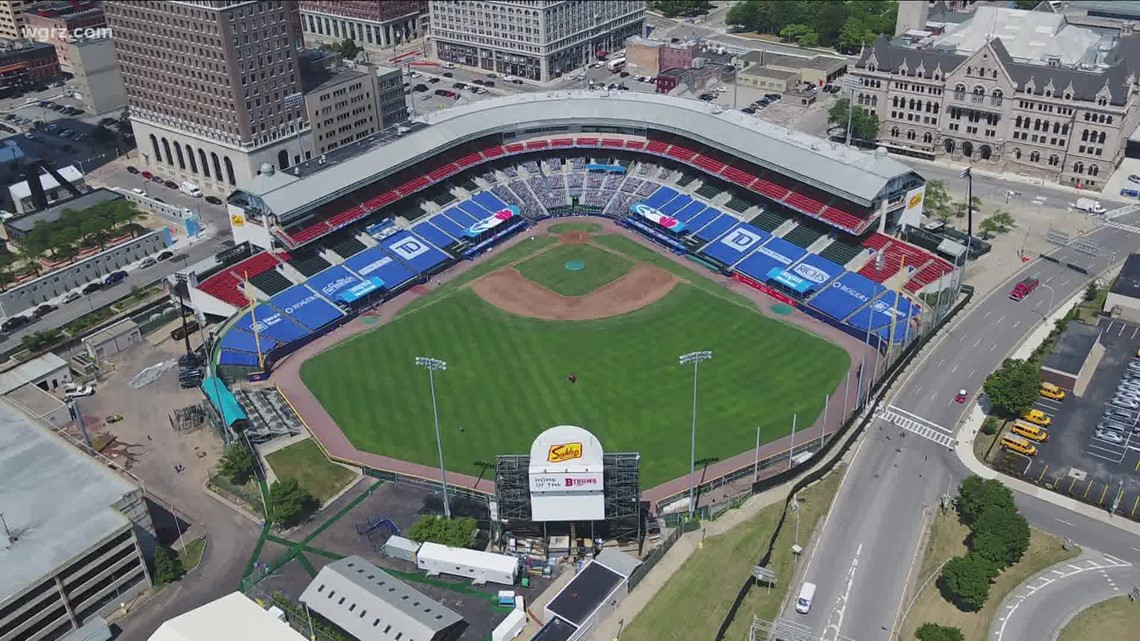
[[603, 310]]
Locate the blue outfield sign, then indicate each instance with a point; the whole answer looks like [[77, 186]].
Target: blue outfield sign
[[615, 169], [789, 280], [360, 290]]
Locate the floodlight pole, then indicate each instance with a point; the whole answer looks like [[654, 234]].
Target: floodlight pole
[[695, 359], [432, 365]]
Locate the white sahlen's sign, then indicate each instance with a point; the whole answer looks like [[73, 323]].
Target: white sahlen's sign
[[566, 482]]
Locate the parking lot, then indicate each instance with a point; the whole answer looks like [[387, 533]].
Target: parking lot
[[1076, 460]]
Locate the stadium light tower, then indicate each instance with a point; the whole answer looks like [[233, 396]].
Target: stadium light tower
[[433, 365], [694, 359]]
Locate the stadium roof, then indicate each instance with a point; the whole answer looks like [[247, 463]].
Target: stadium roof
[[233, 616], [839, 170], [361, 598], [56, 499]]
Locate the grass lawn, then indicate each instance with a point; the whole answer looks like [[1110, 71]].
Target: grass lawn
[[947, 540], [564, 228], [306, 463], [699, 278], [695, 600], [506, 380], [549, 269], [247, 496], [192, 554], [1111, 619]]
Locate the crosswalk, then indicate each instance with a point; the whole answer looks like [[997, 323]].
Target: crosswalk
[[917, 425], [1121, 226]]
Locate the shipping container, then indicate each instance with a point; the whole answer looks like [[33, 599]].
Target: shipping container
[[480, 567]]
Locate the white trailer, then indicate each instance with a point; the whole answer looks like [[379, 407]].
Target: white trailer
[[511, 626], [480, 567]]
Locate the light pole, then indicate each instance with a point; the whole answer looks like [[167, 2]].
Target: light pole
[[694, 359], [434, 365]]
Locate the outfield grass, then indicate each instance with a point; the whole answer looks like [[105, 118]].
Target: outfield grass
[[307, 463], [549, 269], [564, 228], [506, 380], [697, 597]]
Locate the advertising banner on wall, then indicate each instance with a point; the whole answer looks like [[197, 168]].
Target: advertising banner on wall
[[566, 482], [912, 214]]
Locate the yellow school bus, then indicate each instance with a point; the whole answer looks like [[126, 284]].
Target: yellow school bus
[[1019, 445]]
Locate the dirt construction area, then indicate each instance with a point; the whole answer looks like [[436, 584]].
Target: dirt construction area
[[508, 290]]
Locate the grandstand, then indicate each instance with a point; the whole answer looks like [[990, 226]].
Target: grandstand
[[798, 222]]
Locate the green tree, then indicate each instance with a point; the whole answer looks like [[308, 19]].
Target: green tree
[[673, 8], [935, 632], [864, 123], [854, 36], [1027, 5], [6, 278], [237, 464], [1014, 386], [1003, 219], [1000, 535], [800, 34], [937, 200], [167, 567], [960, 206], [291, 504], [977, 495], [457, 532], [125, 120], [966, 581]]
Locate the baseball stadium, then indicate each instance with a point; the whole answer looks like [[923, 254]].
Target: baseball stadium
[[549, 258]]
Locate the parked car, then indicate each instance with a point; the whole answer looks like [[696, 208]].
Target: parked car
[[51, 129], [72, 296], [132, 170], [189, 383], [157, 179], [147, 175], [13, 323], [517, 81], [1111, 437], [420, 87], [93, 286], [772, 97], [164, 255], [44, 310], [447, 74], [170, 184], [81, 137], [78, 391], [477, 81], [149, 261], [213, 200], [748, 110], [489, 83], [433, 80], [1124, 401]]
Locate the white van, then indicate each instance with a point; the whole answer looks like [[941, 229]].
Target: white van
[[190, 189], [803, 601]]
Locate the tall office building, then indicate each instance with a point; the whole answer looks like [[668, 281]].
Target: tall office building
[[534, 39], [214, 86], [11, 18], [380, 24]]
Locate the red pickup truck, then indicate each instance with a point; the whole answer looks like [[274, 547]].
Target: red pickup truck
[[1024, 288]]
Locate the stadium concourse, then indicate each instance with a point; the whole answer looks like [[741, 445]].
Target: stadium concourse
[[804, 221]]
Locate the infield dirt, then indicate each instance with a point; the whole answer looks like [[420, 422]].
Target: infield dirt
[[511, 292]]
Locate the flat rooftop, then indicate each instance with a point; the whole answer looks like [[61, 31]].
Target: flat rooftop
[[320, 79], [585, 593], [52, 213], [56, 499], [768, 72], [1072, 348], [1128, 282], [849, 173]]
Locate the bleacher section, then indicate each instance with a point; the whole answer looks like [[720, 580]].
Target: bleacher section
[[270, 282], [803, 234], [768, 220], [270, 415], [717, 165], [225, 285], [840, 251], [348, 246], [738, 204], [781, 266], [686, 179], [308, 263]]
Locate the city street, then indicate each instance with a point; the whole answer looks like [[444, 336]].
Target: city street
[[904, 464]]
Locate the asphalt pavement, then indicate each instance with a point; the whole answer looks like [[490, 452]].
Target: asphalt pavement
[[862, 560], [1039, 608]]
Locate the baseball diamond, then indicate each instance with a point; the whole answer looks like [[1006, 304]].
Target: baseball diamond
[[508, 366]]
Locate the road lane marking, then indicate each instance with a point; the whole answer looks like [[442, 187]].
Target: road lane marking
[[977, 341], [1068, 524], [916, 417], [992, 347], [1016, 324], [841, 602], [954, 370], [1000, 320]]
